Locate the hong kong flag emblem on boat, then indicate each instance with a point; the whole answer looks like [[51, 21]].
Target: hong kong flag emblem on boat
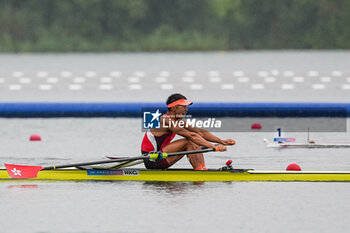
[[22, 171]]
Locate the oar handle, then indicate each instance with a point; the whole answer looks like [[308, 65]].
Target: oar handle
[[161, 155], [191, 152]]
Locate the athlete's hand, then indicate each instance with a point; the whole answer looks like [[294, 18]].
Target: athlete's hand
[[229, 142], [220, 148]]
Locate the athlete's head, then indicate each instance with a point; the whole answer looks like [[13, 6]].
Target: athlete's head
[[177, 99], [178, 103]]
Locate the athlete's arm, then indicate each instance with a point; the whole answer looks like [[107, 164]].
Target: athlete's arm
[[210, 137], [193, 136]]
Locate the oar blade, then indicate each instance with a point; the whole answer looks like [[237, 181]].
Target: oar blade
[[22, 171]]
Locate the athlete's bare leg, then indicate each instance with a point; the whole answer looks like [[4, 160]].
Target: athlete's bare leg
[[196, 160]]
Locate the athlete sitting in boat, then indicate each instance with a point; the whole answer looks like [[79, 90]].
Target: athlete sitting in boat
[[161, 139]]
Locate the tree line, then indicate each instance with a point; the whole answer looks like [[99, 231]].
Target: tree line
[[172, 25]]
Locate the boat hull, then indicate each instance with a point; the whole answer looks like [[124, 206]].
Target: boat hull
[[183, 175]]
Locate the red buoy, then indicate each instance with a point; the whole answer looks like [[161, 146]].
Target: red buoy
[[293, 167], [35, 137], [256, 126]]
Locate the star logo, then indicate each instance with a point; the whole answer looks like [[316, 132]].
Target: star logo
[[151, 119], [16, 172], [156, 115]]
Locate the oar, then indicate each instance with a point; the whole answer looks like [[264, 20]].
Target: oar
[[26, 172]]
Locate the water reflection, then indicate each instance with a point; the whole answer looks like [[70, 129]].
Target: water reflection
[[174, 188]]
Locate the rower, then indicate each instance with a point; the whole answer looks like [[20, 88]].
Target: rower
[[171, 124]]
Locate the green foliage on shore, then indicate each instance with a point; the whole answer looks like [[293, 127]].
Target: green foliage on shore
[[172, 25]]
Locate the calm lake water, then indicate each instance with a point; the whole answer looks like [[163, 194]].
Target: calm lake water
[[161, 206]]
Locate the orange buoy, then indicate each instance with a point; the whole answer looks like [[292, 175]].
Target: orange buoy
[[256, 126], [293, 167], [35, 137]]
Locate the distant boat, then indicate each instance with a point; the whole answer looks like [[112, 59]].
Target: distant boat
[[281, 142], [309, 144]]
